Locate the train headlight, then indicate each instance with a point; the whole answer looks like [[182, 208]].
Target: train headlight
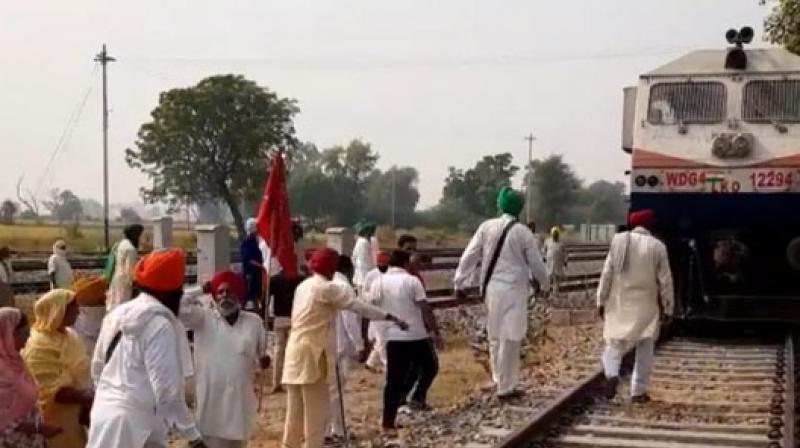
[[742, 145], [721, 146], [640, 181], [652, 181]]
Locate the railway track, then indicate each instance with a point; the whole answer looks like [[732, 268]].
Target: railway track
[[706, 394]]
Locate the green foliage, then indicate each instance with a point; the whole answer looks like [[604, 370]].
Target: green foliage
[[782, 25], [129, 216], [64, 206], [554, 189], [378, 195], [8, 210], [341, 185], [211, 141], [606, 203], [476, 188]]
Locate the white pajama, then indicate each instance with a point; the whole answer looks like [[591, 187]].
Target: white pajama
[[612, 359], [504, 356], [336, 426]]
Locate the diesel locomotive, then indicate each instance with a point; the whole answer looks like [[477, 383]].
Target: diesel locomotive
[[714, 139]]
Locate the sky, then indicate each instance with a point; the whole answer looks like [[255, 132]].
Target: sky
[[429, 84]]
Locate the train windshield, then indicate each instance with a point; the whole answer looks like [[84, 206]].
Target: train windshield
[[686, 102], [771, 101]]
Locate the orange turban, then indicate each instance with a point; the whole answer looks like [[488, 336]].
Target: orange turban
[[642, 218], [90, 291], [324, 262], [234, 281], [163, 270]]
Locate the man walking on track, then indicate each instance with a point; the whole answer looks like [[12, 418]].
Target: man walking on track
[[508, 255], [635, 275]]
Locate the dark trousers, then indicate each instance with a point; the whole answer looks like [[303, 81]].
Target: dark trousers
[[252, 281], [408, 363]]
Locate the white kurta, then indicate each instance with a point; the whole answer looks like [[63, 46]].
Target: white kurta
[[140, 391], [555, 257], [507, 292], [226, 358], [363, 260], [635, 275], [121, 287]]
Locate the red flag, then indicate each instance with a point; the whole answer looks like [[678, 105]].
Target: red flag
[[274, 221]]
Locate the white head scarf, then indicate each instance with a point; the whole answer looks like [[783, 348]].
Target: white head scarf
[[250, 225], [57, 250]]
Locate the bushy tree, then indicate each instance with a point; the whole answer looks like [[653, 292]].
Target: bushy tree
[[782, 25], [476, 188], [64, 206], [129, 216], [211, 142], [8, 211], [555, 190]]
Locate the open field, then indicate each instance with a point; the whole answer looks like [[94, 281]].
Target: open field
[[89, 238]]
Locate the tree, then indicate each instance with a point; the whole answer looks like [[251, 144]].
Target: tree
[[555, 190], [348, 169], [64, 206], [378, 196], [92, 209], [311, 194], [8, 210], [606, 202], [129, 216], [476, 188], [782, 25], [211, 142]]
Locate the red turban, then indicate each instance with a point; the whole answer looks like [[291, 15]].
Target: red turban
[[383, 259], [642, 218], [234, 281], [324, 262], [161, 271]]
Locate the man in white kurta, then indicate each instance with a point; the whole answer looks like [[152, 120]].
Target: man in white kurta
[[508, 287], [126, 256], [635, 291], [363, 253], [140, 362], [377, 329], [229, 345], [555, 258], [309, 359]]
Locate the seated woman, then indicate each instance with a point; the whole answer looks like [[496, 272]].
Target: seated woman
[[57, 360], [19, 423]]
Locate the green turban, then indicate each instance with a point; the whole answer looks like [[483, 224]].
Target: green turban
[[365, 228], [510, 201]]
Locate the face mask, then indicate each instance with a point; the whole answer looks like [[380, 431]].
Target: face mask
[[228, 307]]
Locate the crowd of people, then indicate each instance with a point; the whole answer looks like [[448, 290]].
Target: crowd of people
[[104, 360]]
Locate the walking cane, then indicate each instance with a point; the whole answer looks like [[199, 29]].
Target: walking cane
[[341, 405], [265, 299]]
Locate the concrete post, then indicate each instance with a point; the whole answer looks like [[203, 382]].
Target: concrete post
[[162, 232], [213, 250], [340, 239]]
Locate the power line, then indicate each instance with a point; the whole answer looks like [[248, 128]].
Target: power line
[[66, 134]]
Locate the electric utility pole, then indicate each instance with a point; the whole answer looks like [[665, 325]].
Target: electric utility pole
[[103, 58], [530, 138]]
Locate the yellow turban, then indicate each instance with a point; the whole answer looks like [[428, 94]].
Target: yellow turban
[[90, 291], [50, 308], [555, 231]]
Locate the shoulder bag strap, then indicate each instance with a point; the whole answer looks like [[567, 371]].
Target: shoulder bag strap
[[493, 262]]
